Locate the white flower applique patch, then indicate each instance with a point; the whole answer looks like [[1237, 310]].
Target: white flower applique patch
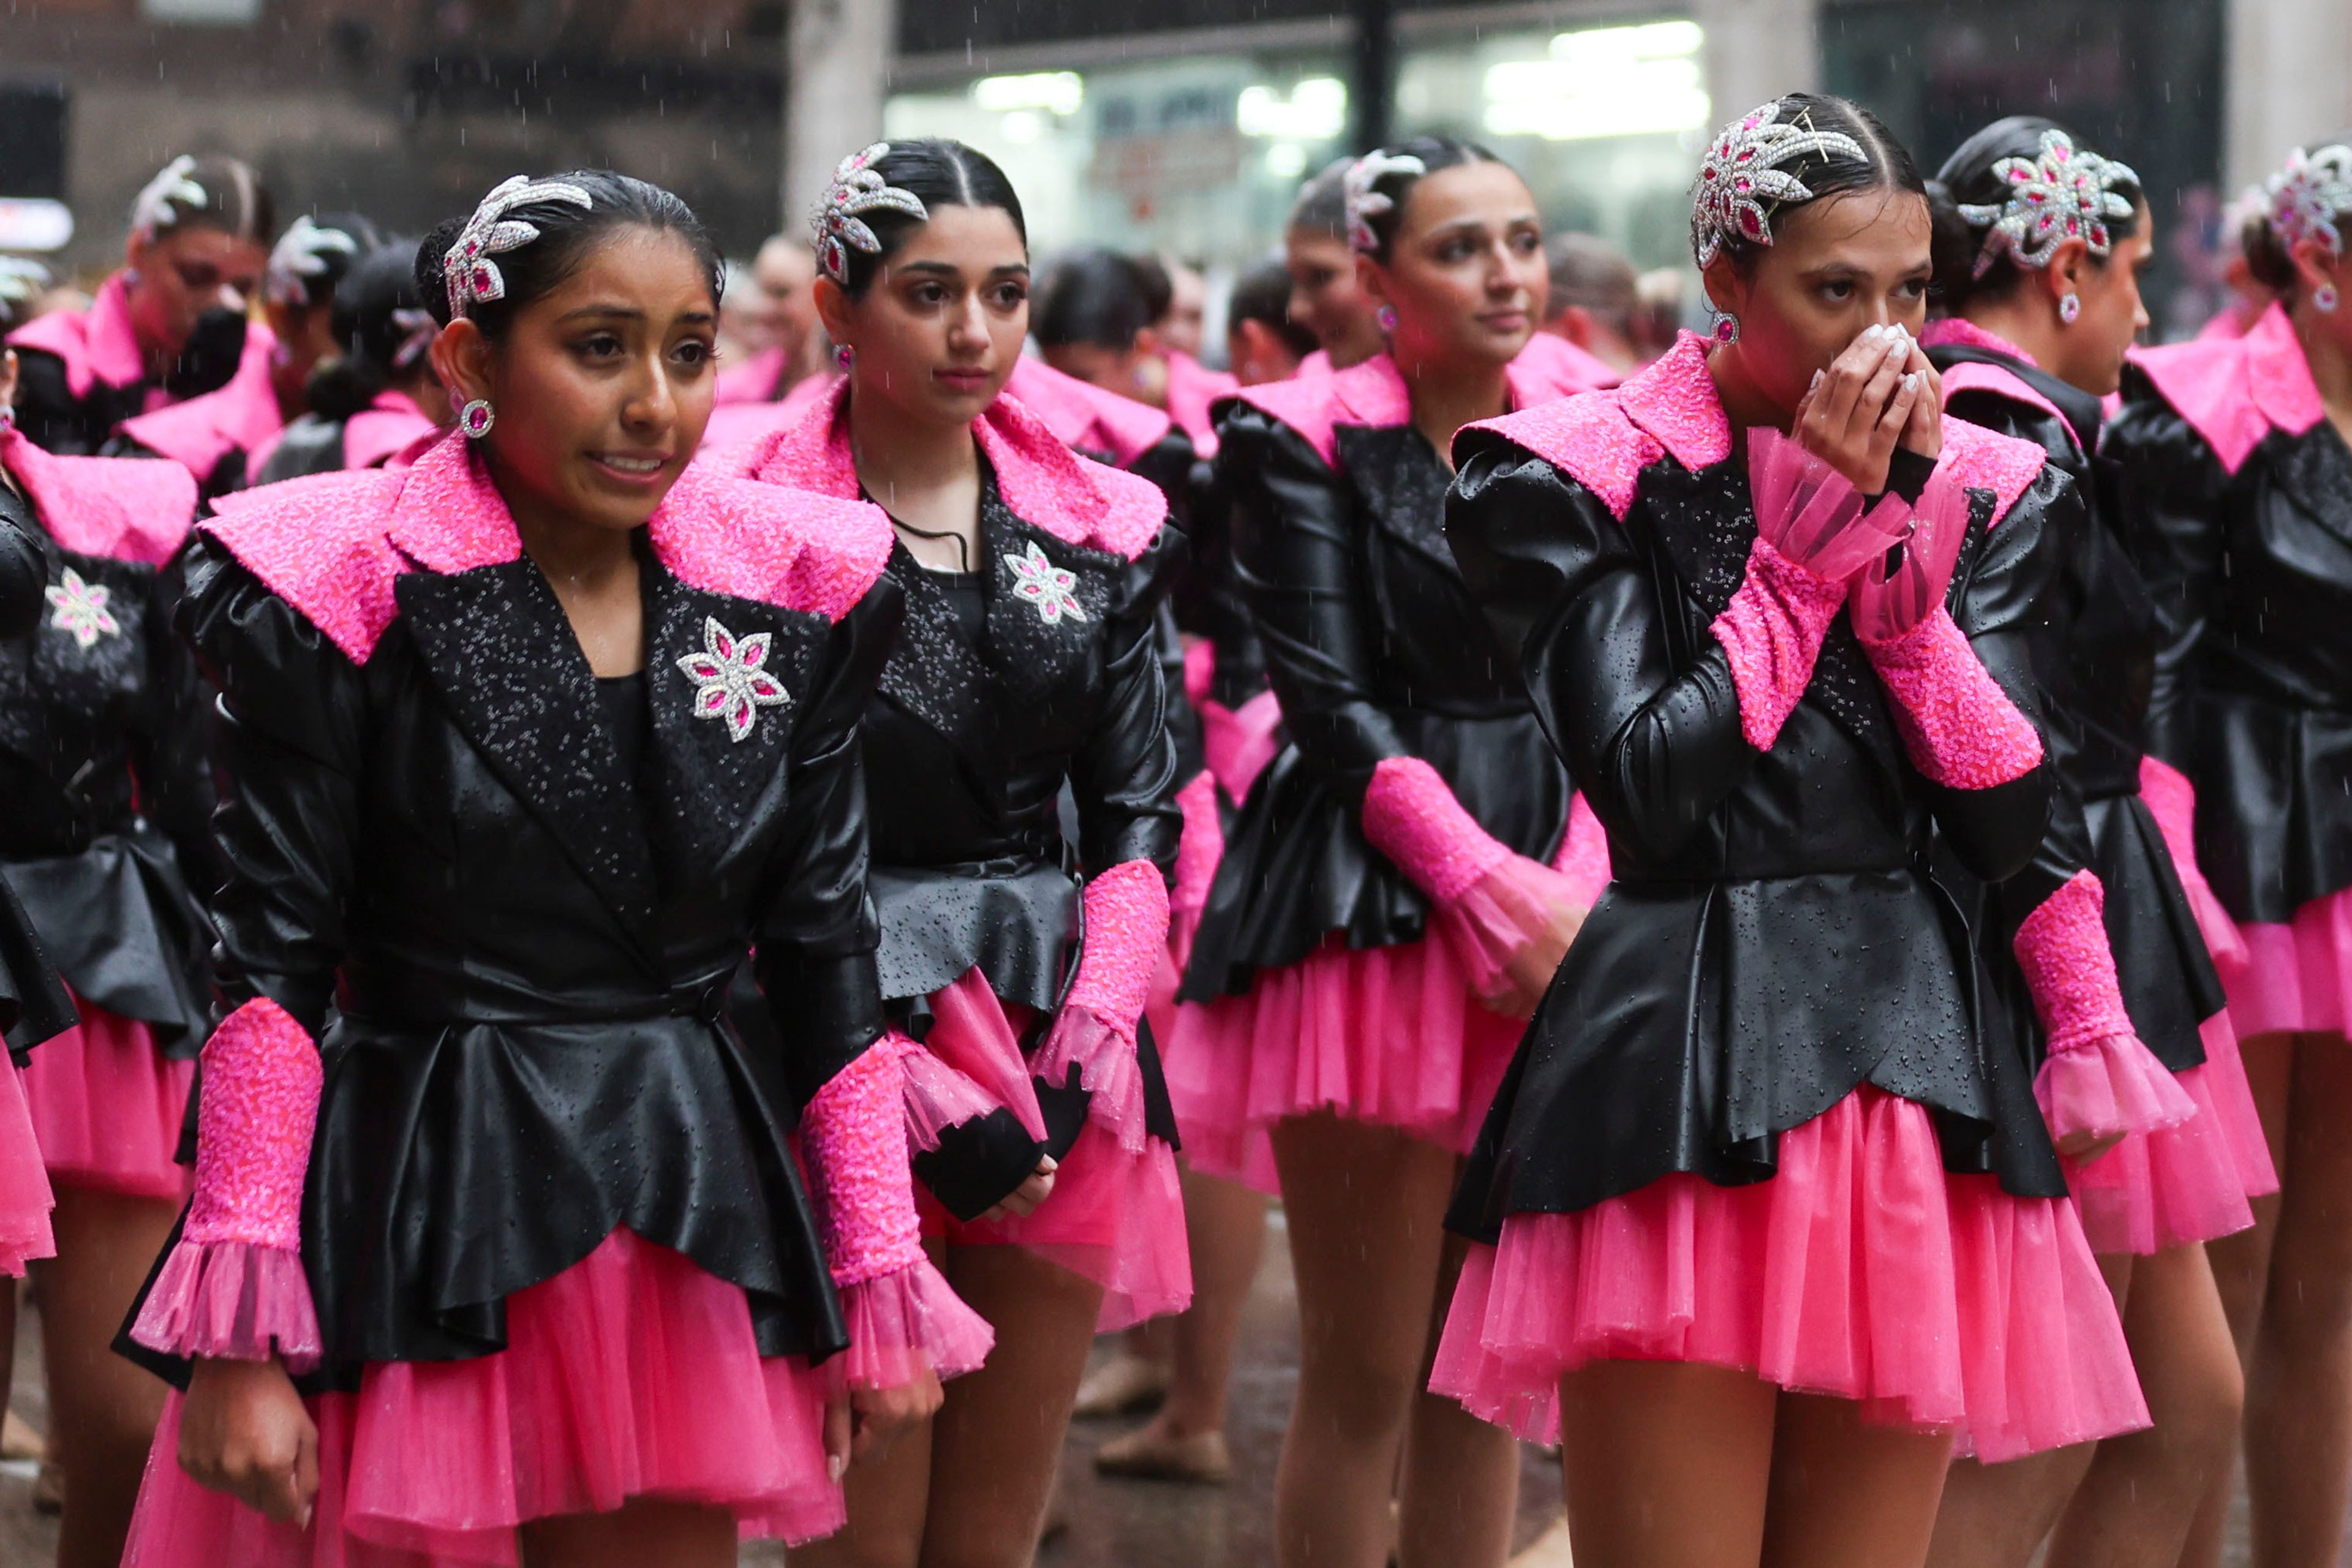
[[1045, 584], [81, 609], [730, 679]]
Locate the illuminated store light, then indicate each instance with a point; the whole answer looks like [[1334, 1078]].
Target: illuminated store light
[[1603, 81], [1315, 111], [1056, 92]]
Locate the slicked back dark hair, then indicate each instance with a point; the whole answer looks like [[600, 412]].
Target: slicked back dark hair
[[568, 233], [1435, 152], [1884, 165], [942, 172]]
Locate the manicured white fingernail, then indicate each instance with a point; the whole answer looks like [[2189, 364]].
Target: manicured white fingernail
[[1871, 334], [1911, 382], [1817, 381], [832, 1468]]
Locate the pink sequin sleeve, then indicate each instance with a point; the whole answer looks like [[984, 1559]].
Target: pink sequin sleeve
[[2098, 1077], [1198, 854], [1772, 633], [1958, 724], [903, 1318], [234, 1287], [1127, 915], [2171, 799]]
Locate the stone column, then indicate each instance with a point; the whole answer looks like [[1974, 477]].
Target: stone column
[[836, 70], [1757, 50], [2288, 79]]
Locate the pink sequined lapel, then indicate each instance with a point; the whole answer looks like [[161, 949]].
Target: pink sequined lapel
[[1974, 375], [1193, 390], [1676, 402], [2234, 392], [1085, 417], [1044, 483], [795, 549], [96, 345], [121, 509], [241, 416], [1982, 459], [1550, 366], [376, 433]]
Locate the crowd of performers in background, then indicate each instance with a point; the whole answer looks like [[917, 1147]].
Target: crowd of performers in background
[[637, 899]]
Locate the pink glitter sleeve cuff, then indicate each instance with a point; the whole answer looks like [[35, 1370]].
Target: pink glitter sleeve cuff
[[903, 1317], [2171, 799], [1410, 816], [1772, 632], [1958, 724], [1198, 854], [1094, 1033], [2098, 1076], [234, 1287]]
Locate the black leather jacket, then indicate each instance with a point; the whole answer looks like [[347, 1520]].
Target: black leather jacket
[[527, 947], [1775, 936]]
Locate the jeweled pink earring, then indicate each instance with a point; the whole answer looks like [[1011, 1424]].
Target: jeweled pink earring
[[477, 417], [1387, 318], [2325, 298], [1727, 330], [2070, 308], [844, 357]]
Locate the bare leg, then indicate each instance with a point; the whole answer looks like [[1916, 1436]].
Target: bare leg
[[997, 1442], [1996, 1516], [103, 1409], [642, 1533], [1365, 1205], [2299, 1389], [2136, 1507], [1848, 1492], [2241, 1266], [1668, 1465], [1226, 1224], [889, 1498], [1461, 1484], [8, 1340]]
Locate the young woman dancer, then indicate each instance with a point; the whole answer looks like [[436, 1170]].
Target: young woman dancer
[[2041, 318], [1029, 661], [101, 756], [1765, 1223], [223, 436], [1326, 296], [525, 747], [1095, 319], [1385, 908], [33, 1005], [379, 394], [170, 325], [2237, 497]]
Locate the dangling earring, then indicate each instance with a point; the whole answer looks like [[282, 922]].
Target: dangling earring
[[1386, 317], [2070, 308], [844, 357], [1727, 330], [477, 417], [2326, 298]]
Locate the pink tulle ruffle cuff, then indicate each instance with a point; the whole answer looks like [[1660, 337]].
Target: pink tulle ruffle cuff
[[1959, 727], [1772, 633], [1198, 854], [1411, 817], [937, 1097], [1103, 1054], [1492, 921], [905, 1323], [232, 1301], [2109, 1088]]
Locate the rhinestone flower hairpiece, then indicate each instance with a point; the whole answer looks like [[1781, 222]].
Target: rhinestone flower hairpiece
[[1742, 171], [473, 278], [1364, 203], [418, 329], [2063, 193], [173, 187], [839, 220], [19, 281], [300, 255], [2307, 196]]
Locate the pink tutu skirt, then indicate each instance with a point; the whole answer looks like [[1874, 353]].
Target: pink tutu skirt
[[2297, 976], [24, 1197], [1389, 1035], [107, 1107], [2184, 1184], [1116, 1217], [1862, 1270], [631, 1374]]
